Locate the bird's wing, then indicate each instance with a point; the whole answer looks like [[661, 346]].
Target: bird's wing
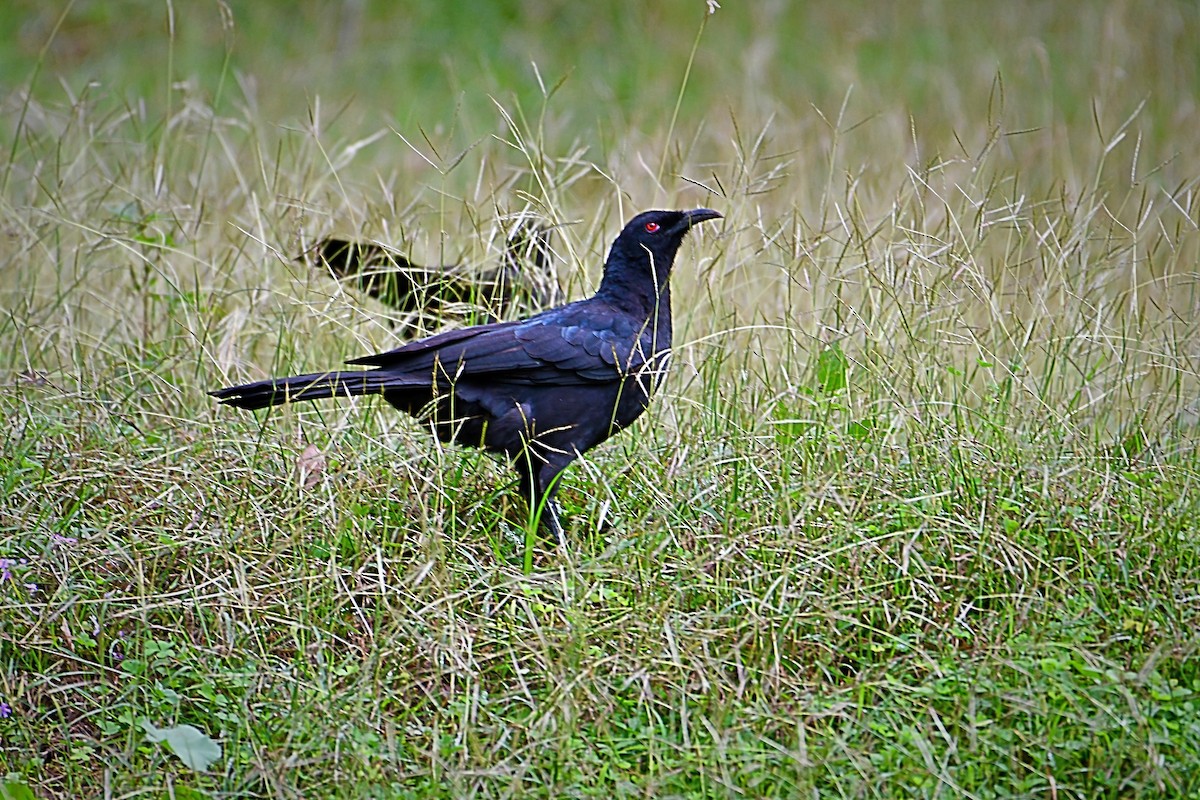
[[581, 343], [596, 346], [422, 351]]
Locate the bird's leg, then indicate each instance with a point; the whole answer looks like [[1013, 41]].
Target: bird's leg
[[550, 517], [539, 484], [547, 484]]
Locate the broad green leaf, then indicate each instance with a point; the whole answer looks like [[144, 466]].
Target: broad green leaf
[[13, 788], [831, 369], [193, 747]]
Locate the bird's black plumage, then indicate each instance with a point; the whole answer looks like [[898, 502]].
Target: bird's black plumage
[[539, 391], [524, 278]]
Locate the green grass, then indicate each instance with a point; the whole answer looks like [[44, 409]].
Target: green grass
[[915, 516]]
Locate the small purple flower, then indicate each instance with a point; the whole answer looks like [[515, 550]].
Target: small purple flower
[[5, 710], [9, 567]]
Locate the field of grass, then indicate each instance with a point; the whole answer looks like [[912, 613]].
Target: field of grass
[[916, 514]]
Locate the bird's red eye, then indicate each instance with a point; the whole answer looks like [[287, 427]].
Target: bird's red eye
[[651, 227]]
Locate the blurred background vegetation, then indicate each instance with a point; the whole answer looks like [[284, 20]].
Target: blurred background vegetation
[[437, 64], [401, 121]]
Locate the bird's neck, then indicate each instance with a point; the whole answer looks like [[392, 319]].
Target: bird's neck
[[635, 294], [633, 284]]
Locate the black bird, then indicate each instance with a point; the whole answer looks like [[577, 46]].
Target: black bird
[[540, 391], [523, 279]]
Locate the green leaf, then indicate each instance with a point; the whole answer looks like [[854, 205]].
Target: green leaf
[[860, 429], [832, 366], [193, 747], [133, 666], [13, 788]]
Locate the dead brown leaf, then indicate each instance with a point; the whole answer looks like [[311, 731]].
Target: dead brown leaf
[[311, 465]]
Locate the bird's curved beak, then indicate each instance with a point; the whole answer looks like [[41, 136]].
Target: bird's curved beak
[[698, 215]]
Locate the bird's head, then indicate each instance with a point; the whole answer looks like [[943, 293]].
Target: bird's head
[[649, 242]]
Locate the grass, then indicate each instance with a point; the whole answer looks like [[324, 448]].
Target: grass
[[915, 514]]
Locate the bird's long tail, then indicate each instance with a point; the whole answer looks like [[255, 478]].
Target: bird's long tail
[[318, 385]]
